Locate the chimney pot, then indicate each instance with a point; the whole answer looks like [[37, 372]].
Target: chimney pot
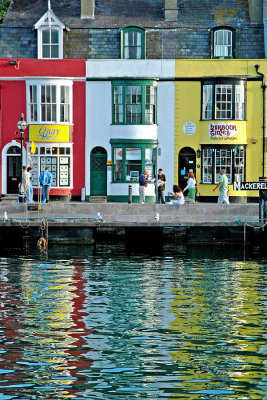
[[171, 10]]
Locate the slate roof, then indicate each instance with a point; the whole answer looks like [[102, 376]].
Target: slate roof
[[120, 13]]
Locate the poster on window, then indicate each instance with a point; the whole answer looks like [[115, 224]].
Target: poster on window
[[133, 154]]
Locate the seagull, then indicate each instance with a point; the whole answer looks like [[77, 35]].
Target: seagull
[[99, 218], [156, 217]]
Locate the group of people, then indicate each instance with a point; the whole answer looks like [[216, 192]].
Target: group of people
[[26, 188], [178, 193]]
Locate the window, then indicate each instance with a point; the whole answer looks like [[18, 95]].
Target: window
[[230, 158], [50, 36], [57, 158], [223, 43], [130, 158], [133, 43], [50, 103], [134, 103], [225, 100]]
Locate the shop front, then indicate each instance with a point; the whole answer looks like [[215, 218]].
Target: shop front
[[51, 146]]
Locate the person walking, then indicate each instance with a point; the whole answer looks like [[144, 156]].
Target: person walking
[[142, 185], [191, 187], [223, 188], [161, 187], [45, 179]]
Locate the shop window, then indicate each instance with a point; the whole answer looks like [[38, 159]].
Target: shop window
[[134, 103], [223, 43], [50, 36], [57, 158], [129, 161], [230, 158], [50, 103], [133, 43], [224, 100]]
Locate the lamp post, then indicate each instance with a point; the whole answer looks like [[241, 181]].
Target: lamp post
[[22, 125]]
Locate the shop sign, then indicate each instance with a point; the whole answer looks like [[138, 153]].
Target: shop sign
[[189, 128], [49, 133], [250, 186], [223, 131]]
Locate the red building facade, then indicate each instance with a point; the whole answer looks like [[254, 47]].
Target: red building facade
[[51, 95]]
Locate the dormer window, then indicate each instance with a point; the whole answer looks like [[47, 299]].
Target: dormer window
[[133, 43], [50, 36], [223, 45]]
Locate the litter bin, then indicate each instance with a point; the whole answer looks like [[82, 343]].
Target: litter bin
[[130, 194]]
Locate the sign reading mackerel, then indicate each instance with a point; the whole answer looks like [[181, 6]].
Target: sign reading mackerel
[[250, 186]]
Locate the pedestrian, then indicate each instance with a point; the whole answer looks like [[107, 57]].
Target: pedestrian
[[29, 170], [25, 184], [161, 187], [178, 195], [45, 179], [142, 185], [223, 188], [191, 187]]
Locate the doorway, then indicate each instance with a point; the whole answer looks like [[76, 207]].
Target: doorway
[[13, 169], [98, 172], [186, 164]]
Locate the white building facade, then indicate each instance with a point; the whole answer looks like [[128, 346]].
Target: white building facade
[[129, 126]]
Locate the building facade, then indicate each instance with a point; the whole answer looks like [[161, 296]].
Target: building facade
[[51, 95], [220, 124]]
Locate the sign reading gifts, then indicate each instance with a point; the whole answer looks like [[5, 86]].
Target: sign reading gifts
[[49, 133], [223, 131]]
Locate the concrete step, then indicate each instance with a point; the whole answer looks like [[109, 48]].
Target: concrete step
[[9, 197], [98, 199]]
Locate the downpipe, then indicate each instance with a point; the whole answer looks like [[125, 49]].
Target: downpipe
[[264, 152]]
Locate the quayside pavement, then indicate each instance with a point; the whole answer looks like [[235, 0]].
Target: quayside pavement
[[202, 214]]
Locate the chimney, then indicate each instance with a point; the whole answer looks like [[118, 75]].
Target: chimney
[[171, 10], [256, 10], [87, 9]]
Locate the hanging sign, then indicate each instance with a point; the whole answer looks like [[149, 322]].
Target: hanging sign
[[222, 130], [49, 133]]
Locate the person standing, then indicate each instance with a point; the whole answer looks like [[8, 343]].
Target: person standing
[[142, 185], [191, 187], [223, 188], [25, 183], [161, 187], [45, 179], [29, 170]]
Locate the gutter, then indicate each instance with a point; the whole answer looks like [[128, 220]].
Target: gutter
[[264, 152]]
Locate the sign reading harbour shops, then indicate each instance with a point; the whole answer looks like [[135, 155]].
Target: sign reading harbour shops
[[49, 133], [222, 130], [250, 186]]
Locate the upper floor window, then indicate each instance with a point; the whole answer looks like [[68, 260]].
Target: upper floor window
[[50, 103], [133, 43], [223, 100], [50, 36], [223, 43], [134, 102]]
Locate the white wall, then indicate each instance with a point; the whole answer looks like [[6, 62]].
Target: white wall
[[99, 128]]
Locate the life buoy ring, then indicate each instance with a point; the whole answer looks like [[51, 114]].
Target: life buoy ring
[[42, 243]]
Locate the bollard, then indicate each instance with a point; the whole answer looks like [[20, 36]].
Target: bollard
[[130, 194], [47, 187]]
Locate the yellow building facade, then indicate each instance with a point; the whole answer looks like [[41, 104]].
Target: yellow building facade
[[219, 124]]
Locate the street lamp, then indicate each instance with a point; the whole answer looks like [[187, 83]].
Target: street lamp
[[22, 125]]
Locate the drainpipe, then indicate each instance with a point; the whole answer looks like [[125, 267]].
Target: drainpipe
[[264, 155]]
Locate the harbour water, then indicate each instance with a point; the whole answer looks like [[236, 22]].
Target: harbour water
[[109, 323]]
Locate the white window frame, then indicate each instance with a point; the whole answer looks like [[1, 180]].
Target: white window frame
[[222, 101], [49, 82], [225, 48], [49, 21], [38, 155]]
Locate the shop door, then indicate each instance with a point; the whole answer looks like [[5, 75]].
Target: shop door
[[98, 172], [186, 164], [13, 174]]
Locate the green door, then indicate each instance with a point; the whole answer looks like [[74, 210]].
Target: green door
[[98, 172]]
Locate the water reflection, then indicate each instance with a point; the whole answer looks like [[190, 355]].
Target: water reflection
[[102, 324]]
